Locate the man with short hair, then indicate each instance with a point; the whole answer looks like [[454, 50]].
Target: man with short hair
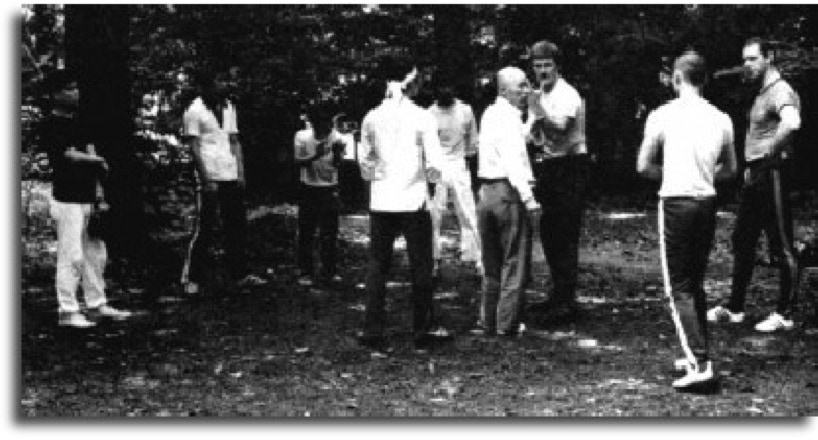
[[556, 114], [401, 156], [457, 130], [211, 131], [696, 144], [773, 121], [76, 196], [318, 151], [506, 200]]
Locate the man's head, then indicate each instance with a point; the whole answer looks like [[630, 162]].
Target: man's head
[[513, 85], [320, 116], [758, 57], [689, 68], [62, 88], [398, 69], [545, 57], [444, 91]]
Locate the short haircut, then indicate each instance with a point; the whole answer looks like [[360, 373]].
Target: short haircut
[[764, 46], [321, 112], [692, 66], [392, 68], [507, 75], [546, 49]]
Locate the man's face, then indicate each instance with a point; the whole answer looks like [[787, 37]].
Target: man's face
[[545, 71], [755, 63], [517, 92]]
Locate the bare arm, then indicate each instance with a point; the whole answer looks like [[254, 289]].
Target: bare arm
[[235, 148], [196, 149], [790, 124], [727, 165], [647, 165]]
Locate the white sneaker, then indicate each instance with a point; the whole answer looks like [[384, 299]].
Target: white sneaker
[[695, 376], [305, 281], [719, 313], [681, 364], [191, 288], [110, 312], [774, 322], [75, 319]]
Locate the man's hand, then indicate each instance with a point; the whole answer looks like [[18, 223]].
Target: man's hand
[[533, 207], [433, 175], [535, 104]]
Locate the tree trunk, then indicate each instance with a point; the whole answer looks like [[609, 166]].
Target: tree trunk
[[96, 41], [452, 33]]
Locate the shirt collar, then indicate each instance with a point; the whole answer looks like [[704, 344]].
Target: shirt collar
[[505, 105]]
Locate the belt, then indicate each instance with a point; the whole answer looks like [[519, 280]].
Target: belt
[[493, 181]]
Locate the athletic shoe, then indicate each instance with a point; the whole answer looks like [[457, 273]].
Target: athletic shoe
[[696, 377], [774, 322], [251, 280], [191, 288], [75, 319], [719, 313], [681, 364], [106, 311], [305, 280]]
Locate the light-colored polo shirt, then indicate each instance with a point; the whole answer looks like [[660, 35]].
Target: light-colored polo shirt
[[563, 101], [502, 148], [765, 116], [219, 161], [404, 135], [692, 134], [322, 171]]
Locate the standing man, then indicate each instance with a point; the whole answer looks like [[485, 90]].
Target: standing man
[[76, 195], [773, 122], [318, 151], [506, 199], [457, 130], [211, 131], [560, 162], [696, 141], [401, 151]]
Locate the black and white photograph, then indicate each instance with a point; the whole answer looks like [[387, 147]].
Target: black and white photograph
[[415, 211]]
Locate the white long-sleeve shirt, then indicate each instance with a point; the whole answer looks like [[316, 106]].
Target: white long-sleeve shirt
[[502, 148], [404, 134]]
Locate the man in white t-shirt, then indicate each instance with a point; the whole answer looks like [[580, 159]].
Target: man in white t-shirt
[[696, 142], [457, 130], [556, 114], [318, 152], [211, 131]]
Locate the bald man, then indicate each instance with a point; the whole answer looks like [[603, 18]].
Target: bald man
[[506, 199]]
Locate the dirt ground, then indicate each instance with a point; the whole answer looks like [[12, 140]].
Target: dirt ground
[[287, 350]]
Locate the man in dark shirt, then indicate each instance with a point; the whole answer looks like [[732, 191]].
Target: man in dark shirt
[[76, 194]]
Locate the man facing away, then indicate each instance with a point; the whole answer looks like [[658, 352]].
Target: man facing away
[[76, 194], [457, 130], [696, 141], [560, 163], [773, 122], [318, 152], [506, 199], [402, 155]]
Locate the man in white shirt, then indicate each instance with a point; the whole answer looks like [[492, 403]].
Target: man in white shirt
[[696, 141], [506, 199], [560, 163], [318, 152], [457, 130], [401, 151], [211, 131]]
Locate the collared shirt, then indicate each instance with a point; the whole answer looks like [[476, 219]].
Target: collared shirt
[[322, 171], [457, 130], [405, 136], [692, 134], [765, 115], [563, 101], [219, 161], [502, 148]]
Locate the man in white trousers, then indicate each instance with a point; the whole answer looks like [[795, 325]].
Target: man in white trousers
[[696, 141], [457, 130]]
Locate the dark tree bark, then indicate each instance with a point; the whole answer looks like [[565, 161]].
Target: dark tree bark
[[452, 33], [96, 41]]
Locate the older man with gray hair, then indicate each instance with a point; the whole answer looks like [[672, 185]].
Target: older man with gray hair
[[506, 198]]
